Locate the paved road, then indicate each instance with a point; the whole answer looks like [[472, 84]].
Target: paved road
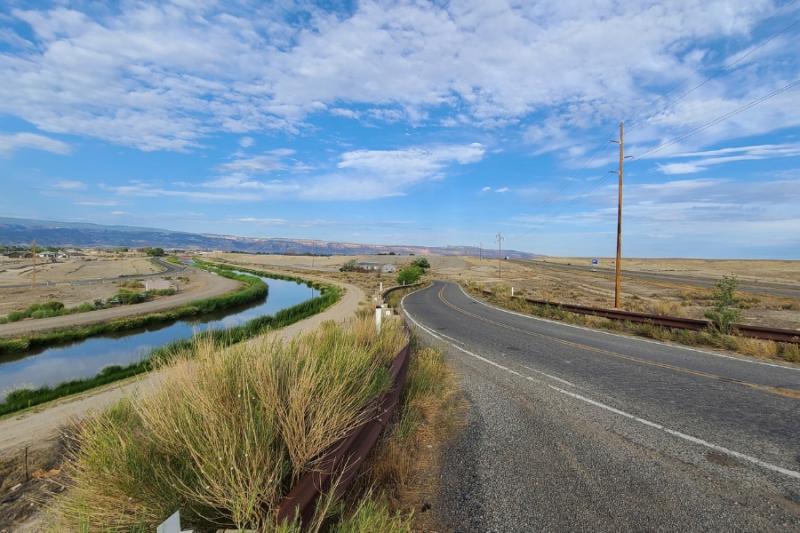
[[574, 429], [789, 290]]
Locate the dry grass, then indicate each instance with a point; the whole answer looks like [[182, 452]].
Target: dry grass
[[405, 465], [227, 433]]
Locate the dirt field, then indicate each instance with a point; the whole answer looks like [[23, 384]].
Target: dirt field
[[71, 282], [194, 285], [667, 297], [759, 271]]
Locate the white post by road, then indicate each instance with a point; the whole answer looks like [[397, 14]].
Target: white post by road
[[378, 317], [512, 292]]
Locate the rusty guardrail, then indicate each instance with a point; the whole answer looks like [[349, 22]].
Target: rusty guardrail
[[390, 290], [340, 463], [674, 322]]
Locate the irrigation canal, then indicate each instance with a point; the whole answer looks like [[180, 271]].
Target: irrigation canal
[[87, 358]]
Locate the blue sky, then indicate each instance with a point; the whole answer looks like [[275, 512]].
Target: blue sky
[[410, 123]]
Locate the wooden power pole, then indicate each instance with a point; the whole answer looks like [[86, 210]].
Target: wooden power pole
[[618, 269], [499, 255], [33, 255]]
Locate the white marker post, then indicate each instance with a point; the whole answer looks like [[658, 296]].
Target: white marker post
[[512, 292], [378, 317]]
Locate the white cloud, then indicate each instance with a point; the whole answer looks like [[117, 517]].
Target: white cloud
[[728, 155], [164, 76], [358, 175], [12, 142], [69, 185], [246, 142], [486, 189], [502, 189]]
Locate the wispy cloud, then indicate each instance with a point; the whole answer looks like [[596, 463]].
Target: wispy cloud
[[10, 143], [69, 185], [708, 158]]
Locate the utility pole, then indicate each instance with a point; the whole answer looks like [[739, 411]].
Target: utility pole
[[33, 255], [617, 281], [480, 250], [499, 255]]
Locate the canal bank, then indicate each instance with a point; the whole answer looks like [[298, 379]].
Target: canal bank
[[99, 361], [37, 427]]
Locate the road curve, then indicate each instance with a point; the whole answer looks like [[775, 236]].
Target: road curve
[[576, 429]]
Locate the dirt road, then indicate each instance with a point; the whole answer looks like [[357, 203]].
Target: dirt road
[[39, 426], [209, 285]]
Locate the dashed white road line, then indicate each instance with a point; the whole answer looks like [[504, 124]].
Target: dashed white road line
[[455, 344]]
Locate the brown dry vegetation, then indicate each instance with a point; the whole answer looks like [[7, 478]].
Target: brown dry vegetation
[[180, 448]]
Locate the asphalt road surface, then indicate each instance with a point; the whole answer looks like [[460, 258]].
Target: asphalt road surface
[[572, 429], [789, 290]]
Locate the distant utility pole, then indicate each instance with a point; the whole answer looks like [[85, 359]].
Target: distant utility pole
[[33, 255], [618, 266], [480, 250], [499, 255]]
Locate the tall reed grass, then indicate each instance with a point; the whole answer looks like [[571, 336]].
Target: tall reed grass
[[227, 432]]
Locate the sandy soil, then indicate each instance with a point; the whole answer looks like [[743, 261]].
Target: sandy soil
[[201, 284]]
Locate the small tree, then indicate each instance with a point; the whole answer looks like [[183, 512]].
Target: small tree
[[350, 266], [724, 313], [409, 275], [422, 263]]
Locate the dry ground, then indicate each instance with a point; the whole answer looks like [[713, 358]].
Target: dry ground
[[66, 281], [654, 296], [745, 270]]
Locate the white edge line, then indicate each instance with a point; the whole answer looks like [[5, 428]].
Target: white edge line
[[639, 339], [679, 434]]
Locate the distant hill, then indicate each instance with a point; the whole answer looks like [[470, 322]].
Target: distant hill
[[20, 231]]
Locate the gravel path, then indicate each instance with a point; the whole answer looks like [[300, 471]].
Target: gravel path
[[38, 426], [575, 430], [212, 285]]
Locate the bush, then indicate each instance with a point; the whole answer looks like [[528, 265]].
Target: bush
[[422, 263], [409, 275], [350, 266], [723, 315]]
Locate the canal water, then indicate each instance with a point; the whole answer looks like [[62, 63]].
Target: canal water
[[87, 358]]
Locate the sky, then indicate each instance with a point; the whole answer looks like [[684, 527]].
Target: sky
[[428, 123]]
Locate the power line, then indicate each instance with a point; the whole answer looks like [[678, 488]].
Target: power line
[[722, 118], [730, 68]]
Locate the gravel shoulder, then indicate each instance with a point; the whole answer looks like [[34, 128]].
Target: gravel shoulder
[[209, 285], [38, 426]]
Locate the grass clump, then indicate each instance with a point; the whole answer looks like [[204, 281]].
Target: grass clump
[[227, 432]]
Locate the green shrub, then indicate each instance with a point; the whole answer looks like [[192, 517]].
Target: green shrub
[[410, 274], [422, 263], [723, 315]]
